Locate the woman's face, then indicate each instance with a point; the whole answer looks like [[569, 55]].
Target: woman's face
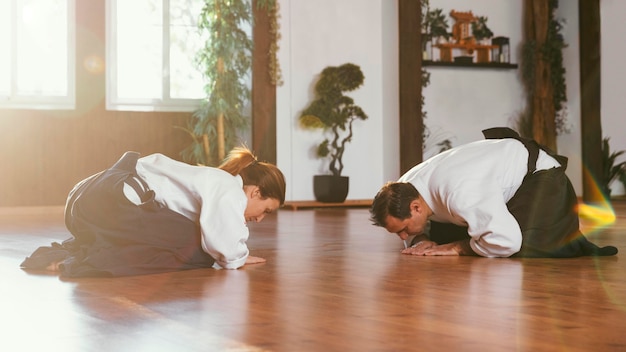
[[257, 206]]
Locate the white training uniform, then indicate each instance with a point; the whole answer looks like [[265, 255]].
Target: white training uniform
[[470, 186], [209, 196]]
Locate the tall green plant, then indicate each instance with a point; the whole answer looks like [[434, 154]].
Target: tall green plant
[[225, 62]]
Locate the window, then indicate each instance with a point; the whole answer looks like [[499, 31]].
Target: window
[[151, 46], [37, 59]]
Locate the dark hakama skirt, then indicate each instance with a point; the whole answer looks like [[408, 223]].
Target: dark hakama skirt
[[545, 208], [112, 236]]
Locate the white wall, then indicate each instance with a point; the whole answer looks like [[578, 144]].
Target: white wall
[[459, 102], [321, 33], [569, 144], [613, 53], [613, 78]]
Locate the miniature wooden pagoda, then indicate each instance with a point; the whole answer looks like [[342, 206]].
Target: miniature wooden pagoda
[[461, 30], [462, 38]]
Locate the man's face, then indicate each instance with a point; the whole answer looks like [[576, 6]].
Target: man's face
[[411, 226]]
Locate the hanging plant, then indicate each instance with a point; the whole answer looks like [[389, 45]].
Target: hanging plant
[[425, 74], [273, 10], [552, 52], [427, 19]]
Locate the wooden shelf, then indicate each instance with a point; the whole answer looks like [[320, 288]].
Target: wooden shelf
[[499, 65], [314, 204]]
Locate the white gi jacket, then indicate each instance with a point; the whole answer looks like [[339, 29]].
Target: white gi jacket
[[209, 196], [470, 185]]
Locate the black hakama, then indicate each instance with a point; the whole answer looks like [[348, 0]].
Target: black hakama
[[112, 236]]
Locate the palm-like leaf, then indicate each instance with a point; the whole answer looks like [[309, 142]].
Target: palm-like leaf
[[610, 170]]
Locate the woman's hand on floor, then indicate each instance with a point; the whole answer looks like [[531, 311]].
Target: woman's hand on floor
[[254, 260]]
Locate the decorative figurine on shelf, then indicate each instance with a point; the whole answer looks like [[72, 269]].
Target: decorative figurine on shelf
[[501, 51], [461, 28], [468, 32]]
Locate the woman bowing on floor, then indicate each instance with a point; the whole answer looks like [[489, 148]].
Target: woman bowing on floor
[[155, 214]]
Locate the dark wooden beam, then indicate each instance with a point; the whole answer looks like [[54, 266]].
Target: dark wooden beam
[[263, 90], [410, 66], [590, 97]]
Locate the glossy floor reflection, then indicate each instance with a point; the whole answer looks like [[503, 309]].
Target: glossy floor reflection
[[332, 282]]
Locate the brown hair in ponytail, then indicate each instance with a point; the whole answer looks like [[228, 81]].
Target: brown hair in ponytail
[[270, 180]]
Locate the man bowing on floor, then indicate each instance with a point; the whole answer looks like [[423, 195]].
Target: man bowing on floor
[[499, 197]]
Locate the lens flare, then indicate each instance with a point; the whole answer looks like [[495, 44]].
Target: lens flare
[[599, 215], [93, 64]]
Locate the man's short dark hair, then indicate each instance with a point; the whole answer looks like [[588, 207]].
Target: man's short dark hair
[[394, 199]]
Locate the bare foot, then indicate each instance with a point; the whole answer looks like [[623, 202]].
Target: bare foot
[[54, 266]]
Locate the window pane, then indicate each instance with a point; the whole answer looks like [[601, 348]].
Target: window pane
[[42, 48], [139, 49], [5, 47], [186, 81], [151, 55]]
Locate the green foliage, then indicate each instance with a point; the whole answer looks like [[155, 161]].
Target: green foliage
[[267, 5], [434, 24], [429, 17], [425, 8], [480, 30], [425, 74], [610, 170], [225, 61], [552, 51], [334, 112]]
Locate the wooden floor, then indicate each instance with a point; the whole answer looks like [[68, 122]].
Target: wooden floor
[[332, 282]]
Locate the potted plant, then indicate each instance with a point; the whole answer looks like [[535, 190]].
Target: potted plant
[[333, 113], [435, 25], [611, 170], [480, 30], [226, 62]]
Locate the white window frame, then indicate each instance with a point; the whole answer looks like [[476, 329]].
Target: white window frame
[[42, 102], [166, 103]]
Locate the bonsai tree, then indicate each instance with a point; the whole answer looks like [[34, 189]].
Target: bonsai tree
[[480, 29], [334, 112]]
